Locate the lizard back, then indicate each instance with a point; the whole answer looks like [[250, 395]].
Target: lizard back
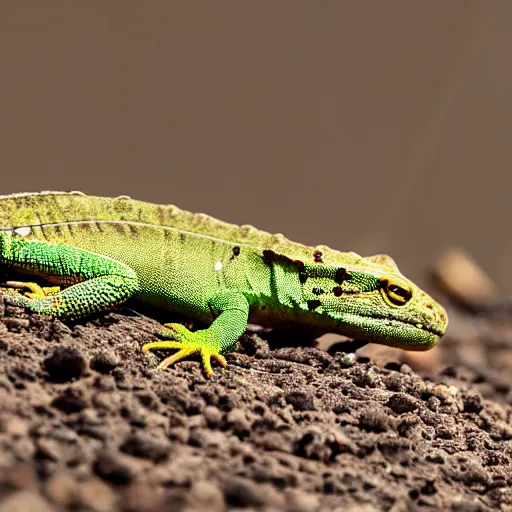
[[53, 208]]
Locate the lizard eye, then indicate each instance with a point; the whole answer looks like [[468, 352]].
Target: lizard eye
[[395, 291]]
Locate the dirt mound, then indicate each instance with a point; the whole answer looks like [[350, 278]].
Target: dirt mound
[[88, 423]]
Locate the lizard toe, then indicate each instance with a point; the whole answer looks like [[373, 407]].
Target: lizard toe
[[196, 343]]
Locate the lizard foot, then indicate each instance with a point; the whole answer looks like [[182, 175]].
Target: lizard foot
[[34, 290], [188, 343]]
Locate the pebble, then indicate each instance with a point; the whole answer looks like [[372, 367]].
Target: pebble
[[402, 403], [61, 488], [300, 401], [21, 476], [145, 497], [241, 492], [65, 364], [16, 427], [23, 501], [300, 501], [104, 361], [115, 468], [212, 415], [206, 495], [146, 446], [95, 495], [238, 420], [473, 402], [207, 438], [70, 400]]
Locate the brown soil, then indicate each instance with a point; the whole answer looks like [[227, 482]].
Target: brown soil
[[88, 423]]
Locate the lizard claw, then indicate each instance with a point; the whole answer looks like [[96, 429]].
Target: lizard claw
[[187, 343], [35, 291]]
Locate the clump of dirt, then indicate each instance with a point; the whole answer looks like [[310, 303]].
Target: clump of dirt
[[88, 423]]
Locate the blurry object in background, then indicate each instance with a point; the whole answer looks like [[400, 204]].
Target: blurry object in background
[[464, 281]]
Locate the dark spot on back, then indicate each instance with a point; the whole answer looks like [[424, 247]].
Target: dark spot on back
[[303, 278], [318, 256], [19, 202], [271, 257], [341, 275], [317, 291], [84, 226], [161, 214], [118, 227], [313, 304], [338, 292], [169, 236], [236, 252]]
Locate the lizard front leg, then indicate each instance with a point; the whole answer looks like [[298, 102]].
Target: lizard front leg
[[94, 282], [231, 311]]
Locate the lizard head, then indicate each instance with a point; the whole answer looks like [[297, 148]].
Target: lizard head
[[370, 299]]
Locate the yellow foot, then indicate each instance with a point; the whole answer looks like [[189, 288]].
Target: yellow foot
[[35, 291], [188, 343]]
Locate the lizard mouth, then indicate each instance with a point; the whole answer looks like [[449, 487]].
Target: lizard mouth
[[418, 325], [391, 332]]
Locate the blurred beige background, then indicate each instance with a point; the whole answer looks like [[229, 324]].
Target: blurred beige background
[[367, 126]]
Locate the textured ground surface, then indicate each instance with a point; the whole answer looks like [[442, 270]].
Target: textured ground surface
[[87, 423]]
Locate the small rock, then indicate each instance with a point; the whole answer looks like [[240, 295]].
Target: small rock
[[148, 399], [48, 449], [300, 501], [402, 403], [345, 360], [105, 361], [142, 497], [63, 434], [23, 448], [70, 400], [405, 368], [207, 438], [16, 427], [113, 467], [464, 280], [22, 501], [206, 495], [241, 492], [212, 415], [238, 420], [21, 476], [180, 434], [65, 364], [145, 446], [440, 391], [95, 495], [473, 402], [462, 505], [105, 383], [300, 401], [61, 488], [374, 420], [311, 444], [17, 325]]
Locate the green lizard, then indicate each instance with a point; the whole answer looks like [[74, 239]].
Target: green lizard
[[100, 252]]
